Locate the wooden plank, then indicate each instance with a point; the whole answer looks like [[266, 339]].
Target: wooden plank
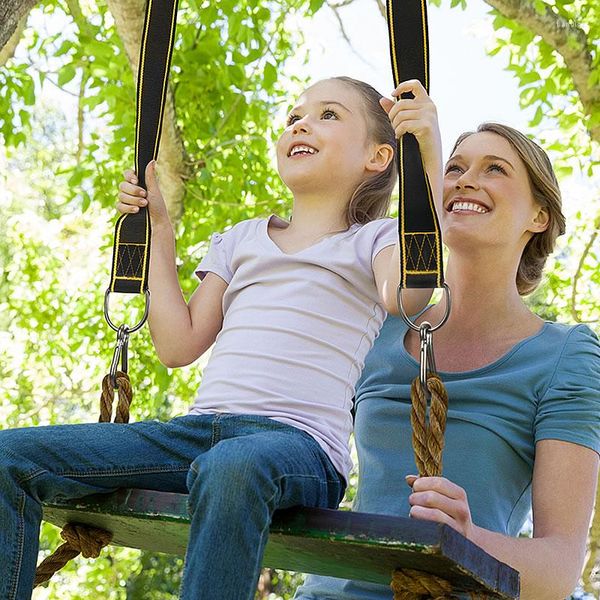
[[327, 542]]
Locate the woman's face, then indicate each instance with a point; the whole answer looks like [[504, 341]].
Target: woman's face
[[324, 144], [487, 196]]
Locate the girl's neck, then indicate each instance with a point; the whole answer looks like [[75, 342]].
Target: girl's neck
[[318, 215]]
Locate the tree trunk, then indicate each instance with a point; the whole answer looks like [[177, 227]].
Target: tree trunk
[[12, 12], [129, 22]]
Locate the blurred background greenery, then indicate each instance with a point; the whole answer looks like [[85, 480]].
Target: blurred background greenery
[[59, 172]]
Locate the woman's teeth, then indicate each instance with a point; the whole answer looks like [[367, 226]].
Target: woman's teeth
[[470, 206]]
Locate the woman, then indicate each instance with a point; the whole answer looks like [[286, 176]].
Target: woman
[[524, 419]]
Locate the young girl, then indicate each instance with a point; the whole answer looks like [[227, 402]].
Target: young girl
[[291, 308]]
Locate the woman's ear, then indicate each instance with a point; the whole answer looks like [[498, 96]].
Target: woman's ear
[[380, 158], [541, 221]]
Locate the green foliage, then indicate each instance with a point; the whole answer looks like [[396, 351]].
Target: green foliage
[[60, 170], [562, 125]]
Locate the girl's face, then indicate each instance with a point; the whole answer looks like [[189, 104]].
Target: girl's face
[[324, 146], [487, 196]]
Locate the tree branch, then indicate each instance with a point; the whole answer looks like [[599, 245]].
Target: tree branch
[[569, 41], [8, 51], [575, 313]]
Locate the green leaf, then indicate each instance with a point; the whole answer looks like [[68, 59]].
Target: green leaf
[[537, 118], [66, 74], [269, 75], [315, 5], [28, 91]]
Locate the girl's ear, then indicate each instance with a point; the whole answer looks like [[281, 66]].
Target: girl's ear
[[541, 220], [380, 157]]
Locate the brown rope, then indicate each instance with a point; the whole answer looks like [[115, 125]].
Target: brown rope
[[409, 584], [107, 397], [80, 538], [428, 445], [428, 439]]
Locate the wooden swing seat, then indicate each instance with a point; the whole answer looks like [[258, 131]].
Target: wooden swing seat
[[337, 543]]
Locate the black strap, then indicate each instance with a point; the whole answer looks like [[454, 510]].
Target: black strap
[[131, 246], [421, 258]]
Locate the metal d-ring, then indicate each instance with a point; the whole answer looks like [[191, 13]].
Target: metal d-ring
[[425, 330], [137, 326], [432, 328]]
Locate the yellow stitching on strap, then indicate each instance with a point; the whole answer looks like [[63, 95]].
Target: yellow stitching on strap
[[141, 84], [393, 43], [424, 28]]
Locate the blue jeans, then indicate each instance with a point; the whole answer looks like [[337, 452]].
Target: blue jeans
[[238, 469]]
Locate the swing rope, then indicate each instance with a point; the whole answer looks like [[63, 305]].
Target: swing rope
[[131, 255], [80, 538], [421, 266]]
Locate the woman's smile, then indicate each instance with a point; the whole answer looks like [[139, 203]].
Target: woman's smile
[[464, 205]]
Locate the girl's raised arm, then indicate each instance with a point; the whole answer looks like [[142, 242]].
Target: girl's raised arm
[[180, 332], [417, 115]]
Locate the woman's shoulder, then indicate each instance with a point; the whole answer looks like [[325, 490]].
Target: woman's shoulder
[[569, 339]]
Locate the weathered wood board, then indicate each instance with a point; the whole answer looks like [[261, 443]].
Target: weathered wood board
[[328, 542]]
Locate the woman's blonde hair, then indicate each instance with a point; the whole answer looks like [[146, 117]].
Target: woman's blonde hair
[[371, 199], [546, 193]]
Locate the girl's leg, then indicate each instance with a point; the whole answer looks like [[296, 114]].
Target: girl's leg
[[44, 463], [256, 466]]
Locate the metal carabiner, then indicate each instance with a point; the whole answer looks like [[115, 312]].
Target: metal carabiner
[[425, 330], [120, 352], [426, 357]]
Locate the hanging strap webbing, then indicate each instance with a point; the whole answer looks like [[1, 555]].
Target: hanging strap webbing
[[418, 228], [131, 247]]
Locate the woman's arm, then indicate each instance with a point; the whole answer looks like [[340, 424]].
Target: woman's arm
[[563, 490]]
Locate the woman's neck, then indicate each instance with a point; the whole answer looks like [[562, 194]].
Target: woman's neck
[[485, 299]]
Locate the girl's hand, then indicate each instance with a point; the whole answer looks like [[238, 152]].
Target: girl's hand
[[418, 116], [438, 499], [132, 197]]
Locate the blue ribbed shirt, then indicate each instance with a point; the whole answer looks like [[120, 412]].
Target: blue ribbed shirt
[[546, 387]]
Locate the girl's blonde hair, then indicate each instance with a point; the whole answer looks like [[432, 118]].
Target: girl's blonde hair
[[371, 199], [546, 193]]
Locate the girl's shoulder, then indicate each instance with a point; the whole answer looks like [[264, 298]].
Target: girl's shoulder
[[376, 234], [240, 229]]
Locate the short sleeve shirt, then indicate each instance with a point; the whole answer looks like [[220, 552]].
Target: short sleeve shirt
[[545, 387], [296, 328]]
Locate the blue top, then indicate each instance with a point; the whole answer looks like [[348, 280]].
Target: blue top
[[546, 387]]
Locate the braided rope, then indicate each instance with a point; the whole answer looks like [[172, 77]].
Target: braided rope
[[80, 538], [409, 584], [428, 438], [125, 394], [428, 445]]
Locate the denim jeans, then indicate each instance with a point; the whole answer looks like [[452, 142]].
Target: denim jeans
[[238, 469]]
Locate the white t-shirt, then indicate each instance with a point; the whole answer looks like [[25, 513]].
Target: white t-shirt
[[296, 328]]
